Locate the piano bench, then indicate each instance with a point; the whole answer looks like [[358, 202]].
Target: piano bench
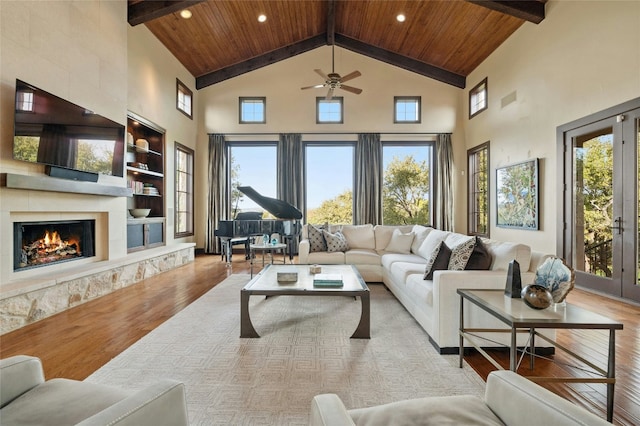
[[228, 243]]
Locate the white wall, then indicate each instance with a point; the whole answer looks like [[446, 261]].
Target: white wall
[[290, 109], [583, 58], [152, 94]]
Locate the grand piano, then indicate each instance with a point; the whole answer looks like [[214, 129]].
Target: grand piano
[[250, 224]]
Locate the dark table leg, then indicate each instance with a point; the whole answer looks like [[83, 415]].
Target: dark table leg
[[611, 373], [363, 331], [246, 327]]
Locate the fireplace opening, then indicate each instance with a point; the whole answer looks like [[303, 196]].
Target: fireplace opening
[[39, 244]]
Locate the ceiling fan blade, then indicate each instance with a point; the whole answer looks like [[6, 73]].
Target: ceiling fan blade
[[350, 76], [351, 89], [321, 74], [317, 86], [329, 94]]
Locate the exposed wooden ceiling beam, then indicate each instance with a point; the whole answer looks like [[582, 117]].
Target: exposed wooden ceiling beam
[[529, 10], [331, 22], [261, 61], [400, 61], [139, 13]]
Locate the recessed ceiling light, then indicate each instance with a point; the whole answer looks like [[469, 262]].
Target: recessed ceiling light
[[185, 13], [262, 18], [400, 17]]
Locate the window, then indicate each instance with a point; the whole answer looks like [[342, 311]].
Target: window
[[329, 182], [478, 98], [184, 191], [478, 190], [407, 183], [253, 110], [406, 109], [24, 101], [184, 98], [252, 164], [329, 110]]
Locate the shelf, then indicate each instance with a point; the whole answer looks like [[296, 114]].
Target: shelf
[[46, 183], [143, 151], [145, 172]]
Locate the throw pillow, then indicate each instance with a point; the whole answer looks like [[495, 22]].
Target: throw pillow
[[400, 243], [316, 239], [438, 261], [460, 255], [480, 257], [335, 242]]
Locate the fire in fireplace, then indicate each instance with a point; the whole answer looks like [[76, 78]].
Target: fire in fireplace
[[45, 243]]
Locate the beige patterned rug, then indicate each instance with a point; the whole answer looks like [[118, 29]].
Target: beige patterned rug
[[304, 350]]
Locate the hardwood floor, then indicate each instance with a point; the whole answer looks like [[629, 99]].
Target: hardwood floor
[[75, 343]]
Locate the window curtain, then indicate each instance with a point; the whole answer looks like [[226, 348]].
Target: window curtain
[[290, 162], [444, 207], [367, 191], [218, 199]]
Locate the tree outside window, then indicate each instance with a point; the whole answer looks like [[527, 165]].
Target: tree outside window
[[478, 190], [183, 191], [254, 165]]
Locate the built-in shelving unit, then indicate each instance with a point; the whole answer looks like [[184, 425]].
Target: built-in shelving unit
[[145, 177]]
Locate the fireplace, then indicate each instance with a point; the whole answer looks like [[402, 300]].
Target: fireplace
[[37, 244]]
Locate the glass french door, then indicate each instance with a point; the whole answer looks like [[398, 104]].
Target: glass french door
[[601, 220]]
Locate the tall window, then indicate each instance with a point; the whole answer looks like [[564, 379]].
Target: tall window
[[407, 183], [254, 165], [478, 98], [184, 98], [253, 110], [406, 109], [184, 191], [329, 110], [478, 190], [329, 183]]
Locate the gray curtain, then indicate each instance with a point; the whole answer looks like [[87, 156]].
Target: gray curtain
[[290, 173], [218, 200], [367, 191], [444, 203]]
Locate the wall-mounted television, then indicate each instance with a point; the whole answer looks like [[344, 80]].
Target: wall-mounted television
[[53, 131]]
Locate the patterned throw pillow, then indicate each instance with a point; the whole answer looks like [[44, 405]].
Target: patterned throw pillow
[[460, 255], [335, 242], [438, 261], [480, 257], [316, 239]]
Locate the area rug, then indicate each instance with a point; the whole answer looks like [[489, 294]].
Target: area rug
[[305, 349]]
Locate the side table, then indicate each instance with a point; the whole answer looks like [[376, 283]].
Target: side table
[[267, 248]]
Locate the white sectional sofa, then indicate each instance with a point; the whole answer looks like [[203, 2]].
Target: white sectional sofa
[[380, 256]]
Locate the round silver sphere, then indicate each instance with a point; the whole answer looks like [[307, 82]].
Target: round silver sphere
[[537, 296]]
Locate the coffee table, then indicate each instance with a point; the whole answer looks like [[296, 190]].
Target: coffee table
[[266, 284]]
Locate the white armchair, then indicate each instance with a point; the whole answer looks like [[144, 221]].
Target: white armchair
[[26, 398]]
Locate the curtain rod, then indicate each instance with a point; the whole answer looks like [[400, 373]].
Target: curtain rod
[[333, 133]]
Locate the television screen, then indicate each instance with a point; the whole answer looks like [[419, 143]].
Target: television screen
[[52, 131]]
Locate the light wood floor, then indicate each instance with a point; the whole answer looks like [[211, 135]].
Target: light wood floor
[[75, 343]]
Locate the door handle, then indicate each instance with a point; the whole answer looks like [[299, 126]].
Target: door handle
[[617, 224]]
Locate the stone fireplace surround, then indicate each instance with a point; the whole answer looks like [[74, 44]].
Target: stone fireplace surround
[[33, 294]]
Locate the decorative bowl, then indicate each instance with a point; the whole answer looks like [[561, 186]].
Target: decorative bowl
[[139, 212], [536, 296]]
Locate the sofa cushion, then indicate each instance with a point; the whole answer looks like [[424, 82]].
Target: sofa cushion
[[326, 258], [400, 242], [504, 252], [420, 233], [362, 257], [421, 290], [439, 410], [460, 254], [432, 242], [480, 257], [438, 261], [389, 258], [360, 236], [335, 242], [401, 270], [316, 239]]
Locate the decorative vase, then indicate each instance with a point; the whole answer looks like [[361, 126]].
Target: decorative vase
[[536, 296], [513, 288]]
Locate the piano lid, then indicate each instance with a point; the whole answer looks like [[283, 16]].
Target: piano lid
[[280, 209]]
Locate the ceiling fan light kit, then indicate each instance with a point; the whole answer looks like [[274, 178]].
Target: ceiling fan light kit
[[334, 81]]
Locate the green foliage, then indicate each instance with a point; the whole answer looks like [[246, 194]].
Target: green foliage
[[94, 158], [338, 210], [405, 192], [26, 148]]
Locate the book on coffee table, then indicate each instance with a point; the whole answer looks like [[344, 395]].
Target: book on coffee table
[[328, 280]]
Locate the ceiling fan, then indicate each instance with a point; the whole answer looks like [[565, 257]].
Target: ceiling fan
[[334, 81]]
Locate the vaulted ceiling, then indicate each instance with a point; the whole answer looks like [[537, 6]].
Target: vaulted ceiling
[[441, 39]]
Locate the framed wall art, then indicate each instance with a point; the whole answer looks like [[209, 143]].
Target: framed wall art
[[517, 195]]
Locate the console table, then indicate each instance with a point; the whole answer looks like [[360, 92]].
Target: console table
[[518, 317]]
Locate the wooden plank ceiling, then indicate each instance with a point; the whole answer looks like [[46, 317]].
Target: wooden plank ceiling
[[440, 39]]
